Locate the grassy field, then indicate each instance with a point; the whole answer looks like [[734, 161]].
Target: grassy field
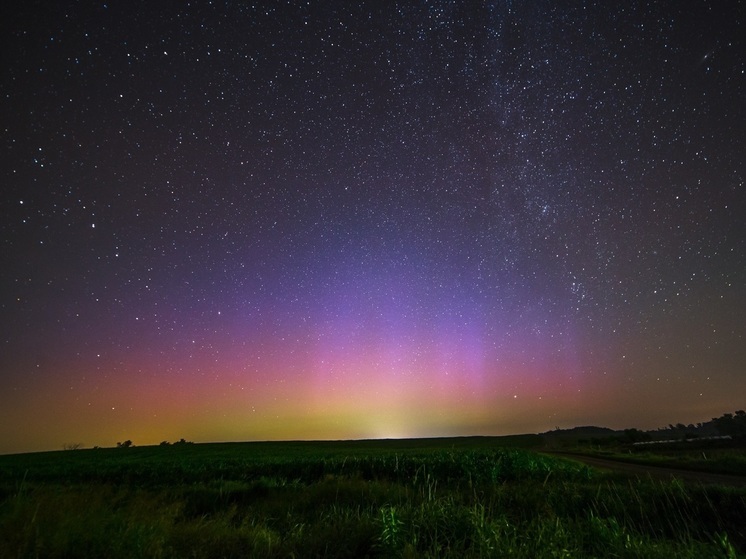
[[719, 457], [723, 461], [470, 497]]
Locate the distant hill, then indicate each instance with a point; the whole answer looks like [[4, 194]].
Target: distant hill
[[729, 424], [585, 431]]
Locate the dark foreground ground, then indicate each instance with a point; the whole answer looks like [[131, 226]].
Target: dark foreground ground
[[466, 498]]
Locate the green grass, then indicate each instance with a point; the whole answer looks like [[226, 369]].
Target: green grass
[[717, 461], [428, 498]]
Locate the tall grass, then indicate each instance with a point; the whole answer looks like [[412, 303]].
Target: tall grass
[[427, 502]]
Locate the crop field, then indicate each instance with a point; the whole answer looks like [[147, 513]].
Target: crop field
[[470, 497]]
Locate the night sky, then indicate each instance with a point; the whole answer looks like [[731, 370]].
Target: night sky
[[323, 220]]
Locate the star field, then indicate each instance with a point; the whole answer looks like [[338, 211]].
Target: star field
[[237, 221]]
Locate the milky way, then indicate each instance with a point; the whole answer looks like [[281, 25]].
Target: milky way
[[225, 221]]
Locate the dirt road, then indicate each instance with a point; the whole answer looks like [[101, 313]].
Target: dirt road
[[657, 472]]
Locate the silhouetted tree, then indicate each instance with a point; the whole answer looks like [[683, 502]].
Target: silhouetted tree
[[125, 444], [636, 436], [730, 424]]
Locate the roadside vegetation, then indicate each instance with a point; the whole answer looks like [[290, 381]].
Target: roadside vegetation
[[723, 459], [472, 497]]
